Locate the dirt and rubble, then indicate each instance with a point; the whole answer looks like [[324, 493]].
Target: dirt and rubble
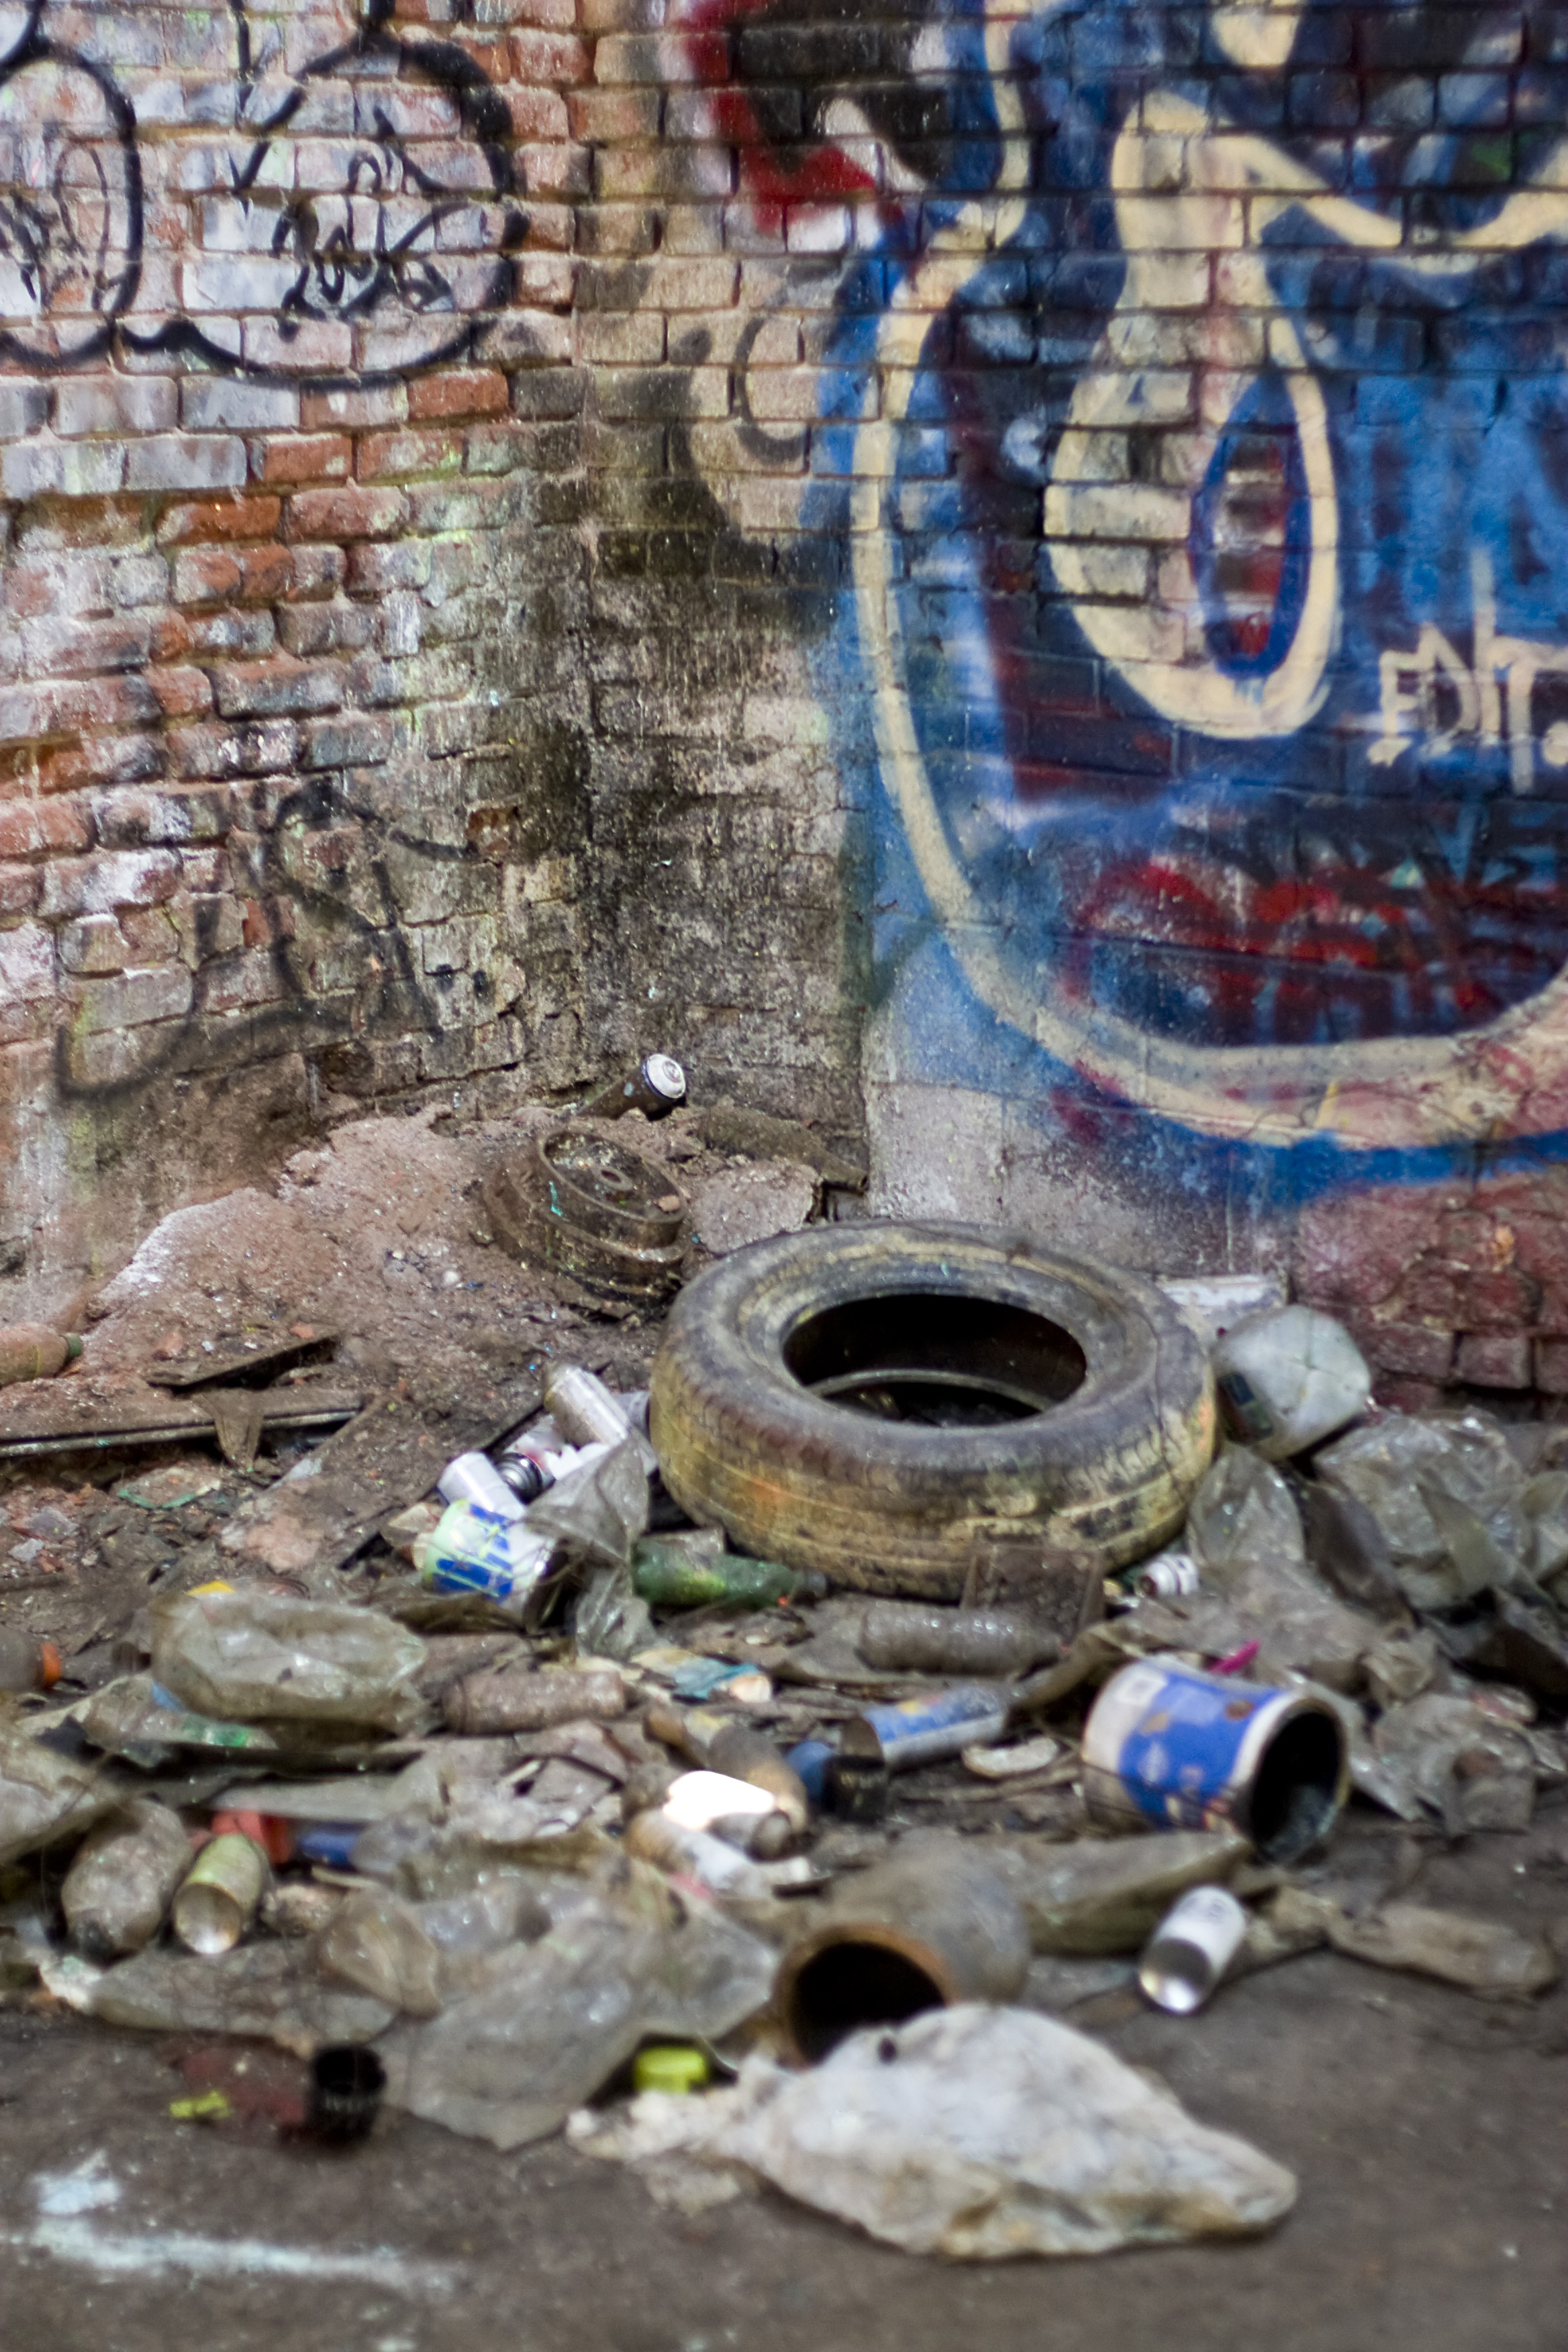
[[1345, 2035]]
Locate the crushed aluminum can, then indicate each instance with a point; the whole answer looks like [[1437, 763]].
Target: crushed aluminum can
[[1191, 1949], [923, 1731], [1167, 1745]]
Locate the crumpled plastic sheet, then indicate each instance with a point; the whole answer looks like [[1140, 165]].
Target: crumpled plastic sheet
[[973, 2132]]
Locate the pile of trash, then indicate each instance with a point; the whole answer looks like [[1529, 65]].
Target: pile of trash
[[524, 1802]]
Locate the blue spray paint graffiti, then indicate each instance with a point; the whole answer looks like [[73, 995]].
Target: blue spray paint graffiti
[[1210, 562]]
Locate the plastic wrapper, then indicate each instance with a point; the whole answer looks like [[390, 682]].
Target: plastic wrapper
[[611, 1619], [258, 1656], [44, 1796], [1447, 1494], [270, 1992], [1460, 1763], [596, 1512], [553, 2021]]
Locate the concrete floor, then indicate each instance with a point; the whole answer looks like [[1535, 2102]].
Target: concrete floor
[[1429, 2132]]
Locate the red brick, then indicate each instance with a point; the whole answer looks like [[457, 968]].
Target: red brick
[[224, 575], [557, 58], [1399, 1395], [199, 519], [308, 458], [383, 457], [1412, 1350], [1354, 1246], [1541, 1246], [1551, 1366], [30, 827], [1496, 1302], [182, 693], [20, 888], [459, 392], [1469, 1238], [535, 113], [1494, 1360], [349, 513]]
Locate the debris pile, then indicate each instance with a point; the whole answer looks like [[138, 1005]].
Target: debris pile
[[436, 1714]]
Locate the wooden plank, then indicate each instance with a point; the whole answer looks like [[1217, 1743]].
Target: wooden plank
[[329, 1505], [45, 1417]]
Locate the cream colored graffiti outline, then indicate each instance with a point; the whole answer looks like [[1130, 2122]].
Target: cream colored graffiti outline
[[1510, 1078]]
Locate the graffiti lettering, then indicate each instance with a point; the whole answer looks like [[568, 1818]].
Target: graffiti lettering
[[392, 246], [1438, 700]]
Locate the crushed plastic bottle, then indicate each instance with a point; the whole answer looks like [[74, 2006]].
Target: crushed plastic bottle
[[610, 1619], [1288, 1379], [135, 1717], [1480, 1956], [31, 1351], [528, 1698], [378, 1943], [910, 1637], [44, 1795], [221, 1893], [1108, 1895], [119, 1888], [1461, 1763], [584, 1410], [252, 1657], [1447, 1497], [1243, 1516]]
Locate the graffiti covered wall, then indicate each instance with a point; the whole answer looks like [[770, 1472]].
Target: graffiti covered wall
[[1010, 558]]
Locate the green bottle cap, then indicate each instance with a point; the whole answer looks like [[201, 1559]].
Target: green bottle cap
[[669, 2066]]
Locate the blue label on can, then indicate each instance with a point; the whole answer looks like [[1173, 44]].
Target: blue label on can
[[1179, 1761], [809, 1761], [920, 1731]]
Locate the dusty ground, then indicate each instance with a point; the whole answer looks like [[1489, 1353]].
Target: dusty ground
[[1429, 2131]]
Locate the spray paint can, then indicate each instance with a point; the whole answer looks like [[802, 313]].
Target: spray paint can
[[525, 1467], [1167, 1577], [923, 1731], [474, 1478], [1191, 1949], [582, 1408], [1169, 1746], [656, 1088]]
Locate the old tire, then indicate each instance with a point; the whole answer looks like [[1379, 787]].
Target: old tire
[[1113, 1389]]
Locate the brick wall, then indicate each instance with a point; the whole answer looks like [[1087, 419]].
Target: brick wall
[[999, 573]]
